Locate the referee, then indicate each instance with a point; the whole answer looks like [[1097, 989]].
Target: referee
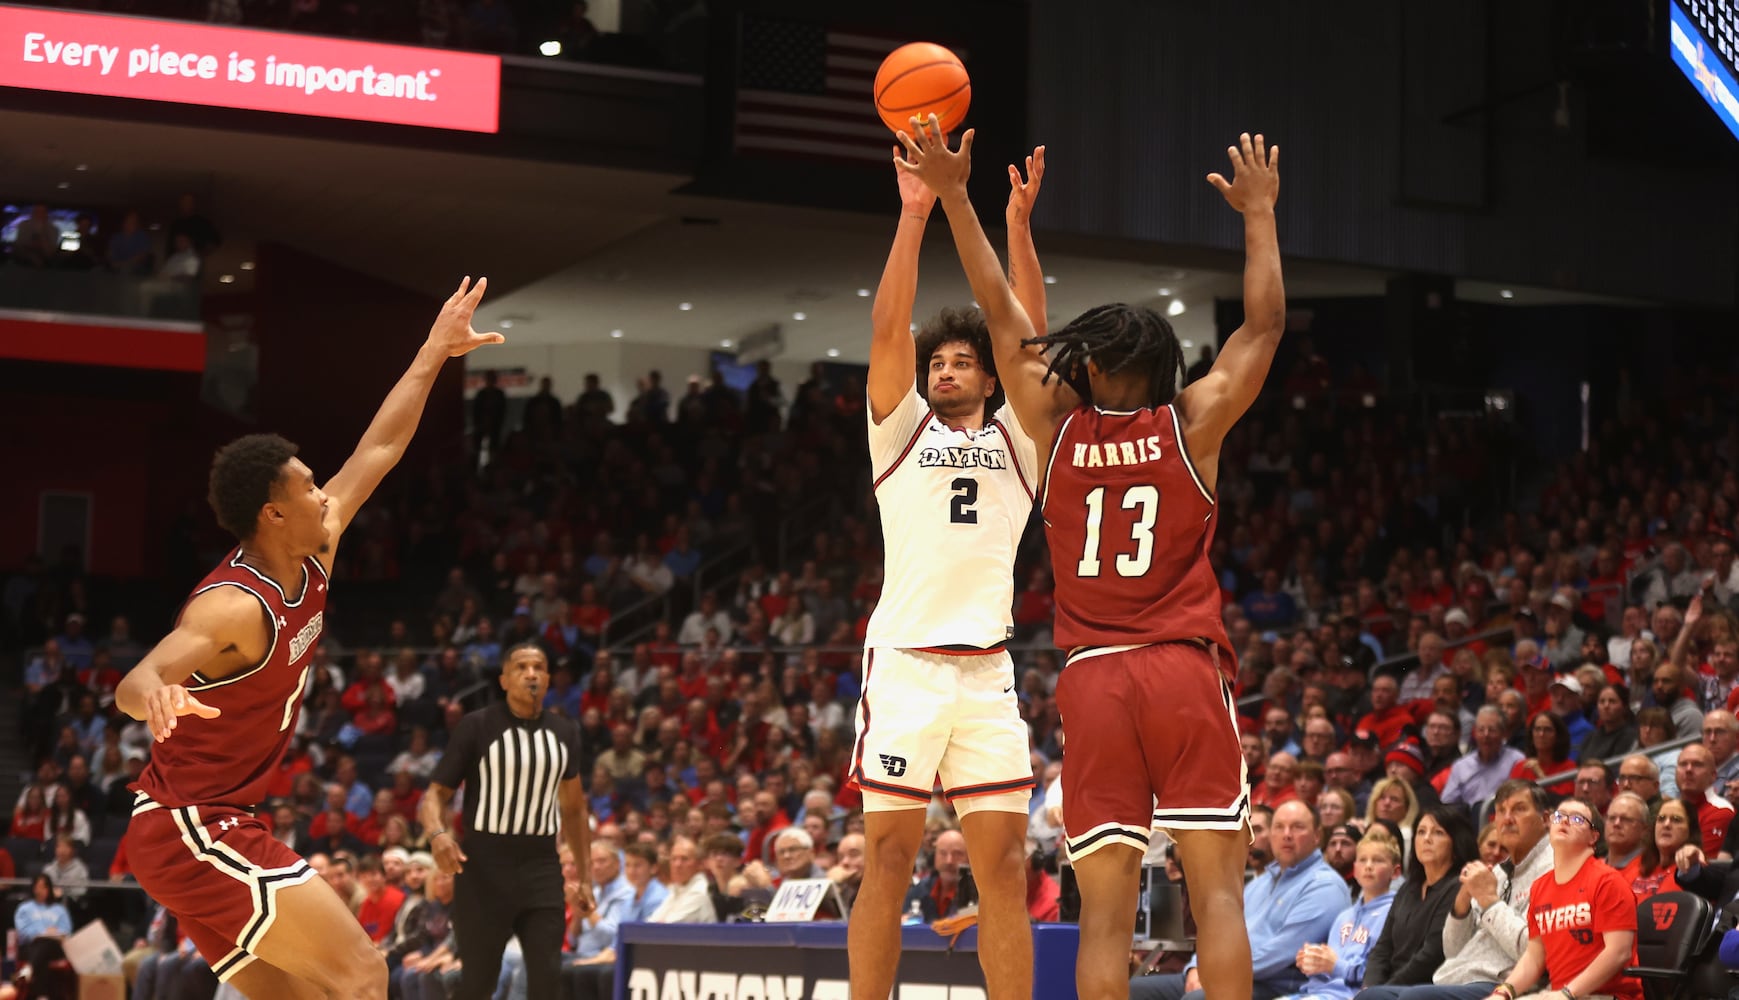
[[520, 766]]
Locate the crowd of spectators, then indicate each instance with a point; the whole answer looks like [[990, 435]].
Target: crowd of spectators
[[650, 33], [175, 250], [1405, 650]]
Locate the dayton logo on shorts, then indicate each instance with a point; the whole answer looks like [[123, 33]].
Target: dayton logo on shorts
[[895, 766], [1664, 914]]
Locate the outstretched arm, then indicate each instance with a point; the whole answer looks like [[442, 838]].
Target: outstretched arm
[[1025, 277], [893, 360], [1213, 403], [945, 172], [389, 434]]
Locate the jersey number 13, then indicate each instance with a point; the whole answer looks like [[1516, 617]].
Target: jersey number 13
[[1144, 499]]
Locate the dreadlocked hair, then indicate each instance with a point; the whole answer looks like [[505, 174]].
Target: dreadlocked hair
[[1116, 337]]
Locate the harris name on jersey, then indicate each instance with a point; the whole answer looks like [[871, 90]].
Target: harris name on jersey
[[1099, 454]]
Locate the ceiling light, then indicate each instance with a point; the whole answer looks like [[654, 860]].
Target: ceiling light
[[506, 324], [799, 317], [226, 279], [616, 334], [685, 306], [1165, 293], [1050, 279], [551, 48], [863, 293], [81, 168], [725, 343], [247, 265], [1506, 293], [1189, 343], [155, 226], [833, 352], [63, 185], [1176, 308]]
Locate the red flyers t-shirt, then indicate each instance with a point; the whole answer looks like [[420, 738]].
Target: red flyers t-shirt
[[1571, 920]]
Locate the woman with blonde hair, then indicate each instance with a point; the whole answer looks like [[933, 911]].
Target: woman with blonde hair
[[1335, 806], [1393, 799]]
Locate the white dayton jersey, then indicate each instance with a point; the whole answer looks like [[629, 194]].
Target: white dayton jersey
[[954, 504]]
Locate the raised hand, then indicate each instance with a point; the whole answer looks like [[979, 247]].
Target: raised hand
[[1022, 193], [915, 197], [943, 170], [452, 334], [1255, 183], [167, 704]]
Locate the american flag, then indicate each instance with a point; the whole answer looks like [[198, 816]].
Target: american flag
[[807, 90]]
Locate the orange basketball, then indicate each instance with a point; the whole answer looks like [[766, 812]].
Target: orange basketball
[[922, 79]]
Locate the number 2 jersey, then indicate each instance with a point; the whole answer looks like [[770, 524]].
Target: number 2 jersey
[[1129, 522], [953, 505], [230, 760]]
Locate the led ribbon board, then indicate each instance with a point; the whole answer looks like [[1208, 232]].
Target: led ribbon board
[[185, 63]]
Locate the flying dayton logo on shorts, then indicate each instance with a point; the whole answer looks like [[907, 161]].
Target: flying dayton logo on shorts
[[895, 766]]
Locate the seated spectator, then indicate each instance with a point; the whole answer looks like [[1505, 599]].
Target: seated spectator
[[1314, 895], [1614, 732], [1629, 836], [1337, 967], [130, 252], [418, 759], [41, 921], [689, 900], [1335, 807], [30, 819], [1477, 775], [794, 856], [1566, 695], [1696, 773], [591, 938], [1392, 799], [36, 241], [1581, 918], [935, 895], [1551, 757], [380, 901], [1410, 947], [1675, 827], [71, 876], [793, 626]]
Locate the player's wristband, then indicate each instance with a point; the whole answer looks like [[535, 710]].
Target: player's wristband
[[437, 833], [1567, 994]]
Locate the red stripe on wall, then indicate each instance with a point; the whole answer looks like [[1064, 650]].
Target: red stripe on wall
[[102, 344]]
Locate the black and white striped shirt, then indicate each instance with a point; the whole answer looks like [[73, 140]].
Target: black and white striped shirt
[[511, 769]]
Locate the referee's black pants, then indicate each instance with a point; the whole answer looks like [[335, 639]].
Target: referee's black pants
[[508, 888]]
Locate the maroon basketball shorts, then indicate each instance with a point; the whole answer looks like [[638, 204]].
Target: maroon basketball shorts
[[1151, 741], [218, 869]]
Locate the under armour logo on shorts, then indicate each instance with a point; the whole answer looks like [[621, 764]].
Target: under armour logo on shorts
[[895, 766], [229, 823]]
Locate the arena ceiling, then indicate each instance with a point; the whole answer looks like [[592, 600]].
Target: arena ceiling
[[576, 252]]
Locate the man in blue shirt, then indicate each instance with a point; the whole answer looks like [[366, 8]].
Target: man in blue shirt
[[1292, 903]]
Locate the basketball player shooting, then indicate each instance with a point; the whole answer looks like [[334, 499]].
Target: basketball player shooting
[[1149, 671], [221, 694], [953, 479]]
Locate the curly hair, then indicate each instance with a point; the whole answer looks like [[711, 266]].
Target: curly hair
[[957, 326], [1116, 337], [242, 475]]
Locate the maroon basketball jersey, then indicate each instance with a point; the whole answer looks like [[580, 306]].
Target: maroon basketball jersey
[[230, 760], [1129, 523]]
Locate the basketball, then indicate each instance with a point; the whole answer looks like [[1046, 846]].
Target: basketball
[[922, 79]]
